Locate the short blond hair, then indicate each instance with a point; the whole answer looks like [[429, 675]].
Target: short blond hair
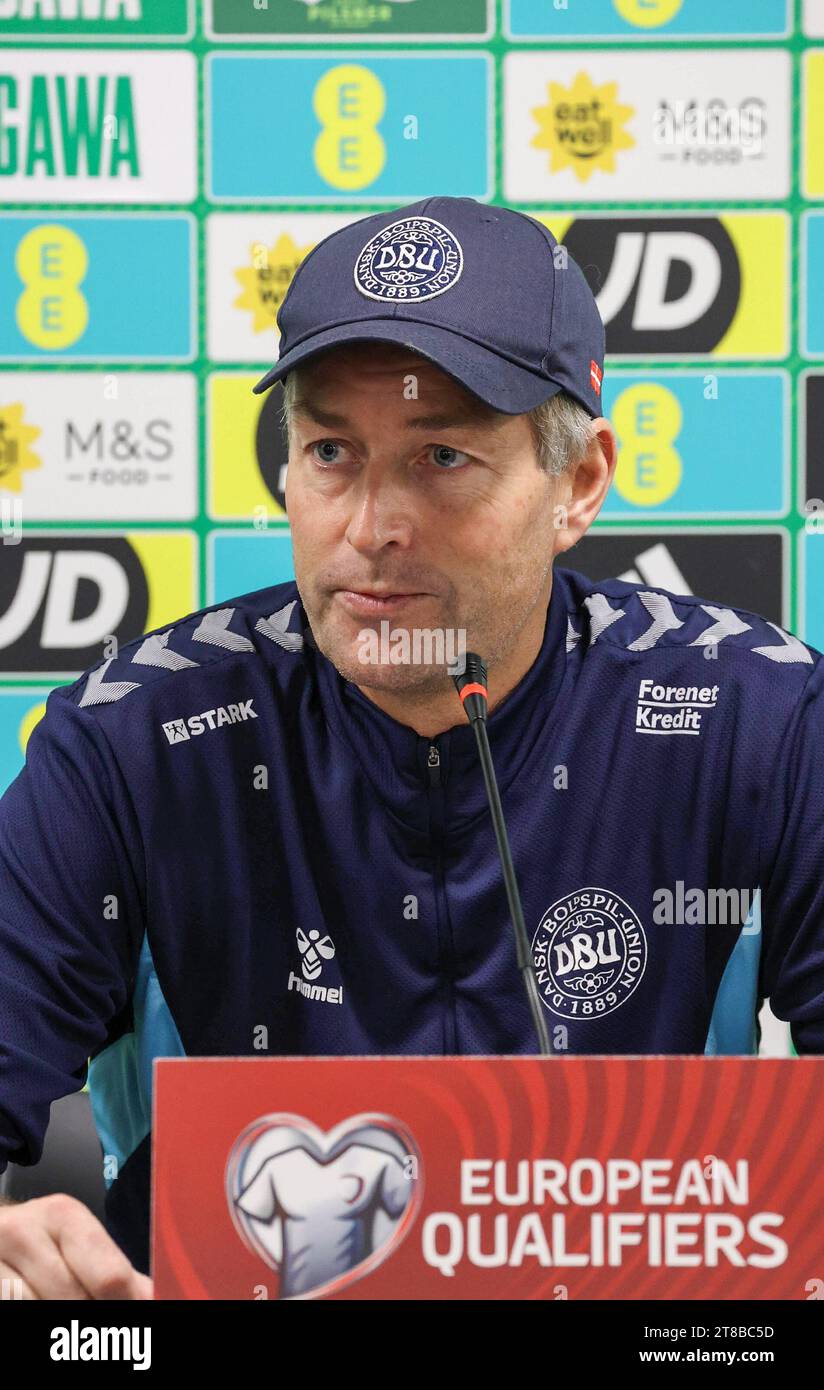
[[562, 428]]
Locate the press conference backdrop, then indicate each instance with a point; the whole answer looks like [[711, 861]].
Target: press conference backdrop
[[165, 166]]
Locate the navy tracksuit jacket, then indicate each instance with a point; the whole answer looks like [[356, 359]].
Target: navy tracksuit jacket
[[216, 834]]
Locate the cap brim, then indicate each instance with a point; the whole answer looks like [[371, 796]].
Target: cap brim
[[500, 383]]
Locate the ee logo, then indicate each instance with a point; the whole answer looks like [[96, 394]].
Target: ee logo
[[51, 261], [648, 14], [647, 419], [349, 152]]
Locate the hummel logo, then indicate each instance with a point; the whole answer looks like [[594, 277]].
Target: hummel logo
[[179, 730]]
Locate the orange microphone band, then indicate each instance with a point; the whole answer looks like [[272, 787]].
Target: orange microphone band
[[474, 690]]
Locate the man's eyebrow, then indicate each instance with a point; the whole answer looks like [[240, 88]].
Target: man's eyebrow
[[455, 419], [443, 420], [323, 417]]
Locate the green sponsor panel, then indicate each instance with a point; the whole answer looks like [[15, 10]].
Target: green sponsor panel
[[96, 19], [323, 19]]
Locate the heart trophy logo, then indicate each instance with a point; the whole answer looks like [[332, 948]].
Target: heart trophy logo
[[323, 1209]]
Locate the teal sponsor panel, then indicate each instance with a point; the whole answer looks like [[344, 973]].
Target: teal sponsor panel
[[699, 443], [241, 561], [812, 284], [97, 286], [19, 711], [647, 19], [387, 127]]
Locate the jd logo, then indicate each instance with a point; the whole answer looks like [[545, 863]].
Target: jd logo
[[61, 596], [662, 285]]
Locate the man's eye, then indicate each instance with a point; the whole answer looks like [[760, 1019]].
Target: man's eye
[[326, 451], [446, 458]]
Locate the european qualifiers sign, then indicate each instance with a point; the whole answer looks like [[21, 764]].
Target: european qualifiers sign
[[488, 1177]]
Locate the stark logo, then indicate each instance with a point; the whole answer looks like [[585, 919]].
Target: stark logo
[[179, 730], [323, 1209], [589, 954]]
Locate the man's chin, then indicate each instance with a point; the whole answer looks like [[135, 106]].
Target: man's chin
[[381, 675], [390, 677], [365, 659]]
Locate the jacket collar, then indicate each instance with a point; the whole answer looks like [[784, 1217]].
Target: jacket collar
[[395, 757]]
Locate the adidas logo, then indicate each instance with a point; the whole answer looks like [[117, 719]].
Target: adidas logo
[[180, 730]]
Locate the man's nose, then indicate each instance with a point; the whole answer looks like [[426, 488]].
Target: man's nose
[[380, 515]]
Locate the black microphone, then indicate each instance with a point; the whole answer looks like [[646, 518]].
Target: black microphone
[[471, 687]]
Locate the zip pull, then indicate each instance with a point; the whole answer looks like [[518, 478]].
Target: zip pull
[[433, 763]]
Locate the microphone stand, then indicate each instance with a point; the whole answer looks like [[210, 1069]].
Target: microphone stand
[[471, 687]]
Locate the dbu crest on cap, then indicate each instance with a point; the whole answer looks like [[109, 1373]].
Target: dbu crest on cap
[[414, 259], [517, 330]]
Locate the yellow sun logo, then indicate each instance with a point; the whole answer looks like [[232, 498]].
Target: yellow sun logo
[[267, 279], [582, 127], [16, 458]]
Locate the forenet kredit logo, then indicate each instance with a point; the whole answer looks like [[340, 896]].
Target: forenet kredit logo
[[589, 954]]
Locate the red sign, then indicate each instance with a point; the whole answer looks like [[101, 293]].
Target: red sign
[[488, 1178]]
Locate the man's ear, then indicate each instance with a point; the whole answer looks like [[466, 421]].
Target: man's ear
[[585, 485]]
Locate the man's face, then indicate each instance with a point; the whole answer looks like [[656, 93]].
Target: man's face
[[401, 481]]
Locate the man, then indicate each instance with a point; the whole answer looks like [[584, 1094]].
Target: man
[[255, 832]]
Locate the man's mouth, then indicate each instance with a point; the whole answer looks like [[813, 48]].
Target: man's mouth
[[376, 601]]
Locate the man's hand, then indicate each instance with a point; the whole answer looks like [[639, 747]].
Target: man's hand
[[58, 1249]]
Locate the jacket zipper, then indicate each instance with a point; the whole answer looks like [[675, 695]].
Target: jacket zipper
[[436, 821]]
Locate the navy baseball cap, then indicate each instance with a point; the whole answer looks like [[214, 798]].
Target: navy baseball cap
[[478, 289]]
